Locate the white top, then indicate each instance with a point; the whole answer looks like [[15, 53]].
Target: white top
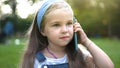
[[50, 61]]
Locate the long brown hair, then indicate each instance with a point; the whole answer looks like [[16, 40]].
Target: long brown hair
[[37, 42]]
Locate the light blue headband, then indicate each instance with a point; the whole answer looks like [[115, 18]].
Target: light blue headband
[[42, 11]]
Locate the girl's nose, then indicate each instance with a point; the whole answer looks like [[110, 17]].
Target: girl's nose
[[64, 29]]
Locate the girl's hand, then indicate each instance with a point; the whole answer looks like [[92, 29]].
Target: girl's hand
[[83, 37], [100, 60]]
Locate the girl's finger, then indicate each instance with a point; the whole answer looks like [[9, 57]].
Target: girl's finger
[[76, 25]]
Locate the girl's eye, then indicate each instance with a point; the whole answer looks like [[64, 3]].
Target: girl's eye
[[56, 25], [69, 23]]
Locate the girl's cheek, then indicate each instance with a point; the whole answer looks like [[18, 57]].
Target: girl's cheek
[[72, 30]]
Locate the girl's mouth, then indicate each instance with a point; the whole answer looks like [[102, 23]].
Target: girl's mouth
[[64, 37]]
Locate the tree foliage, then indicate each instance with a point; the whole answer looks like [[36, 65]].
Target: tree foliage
[[97, 17]]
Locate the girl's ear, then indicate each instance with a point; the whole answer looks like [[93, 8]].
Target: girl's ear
[[43, 33]]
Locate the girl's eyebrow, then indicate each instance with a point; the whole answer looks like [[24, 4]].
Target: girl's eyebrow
[[55, 22], [58, 21], [70, 21]]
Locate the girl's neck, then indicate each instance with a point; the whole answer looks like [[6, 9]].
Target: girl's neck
[[54, 51]]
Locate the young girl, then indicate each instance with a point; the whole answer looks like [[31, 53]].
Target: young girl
[[52, 41]]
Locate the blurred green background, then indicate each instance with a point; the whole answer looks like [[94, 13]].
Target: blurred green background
[[100, 20]]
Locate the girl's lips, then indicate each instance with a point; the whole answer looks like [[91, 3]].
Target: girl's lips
[[64, 37]]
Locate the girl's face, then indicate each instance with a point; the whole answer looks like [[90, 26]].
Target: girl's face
[[59, 27]]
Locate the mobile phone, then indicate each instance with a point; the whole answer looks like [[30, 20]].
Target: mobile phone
[[75, 36]]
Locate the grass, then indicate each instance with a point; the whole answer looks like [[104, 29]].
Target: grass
[[10, 53], [112, 48]]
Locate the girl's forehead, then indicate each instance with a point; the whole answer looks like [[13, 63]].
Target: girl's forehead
[[59, 15], [60, 12]]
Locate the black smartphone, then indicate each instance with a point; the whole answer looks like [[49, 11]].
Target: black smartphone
[[75, 36]]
